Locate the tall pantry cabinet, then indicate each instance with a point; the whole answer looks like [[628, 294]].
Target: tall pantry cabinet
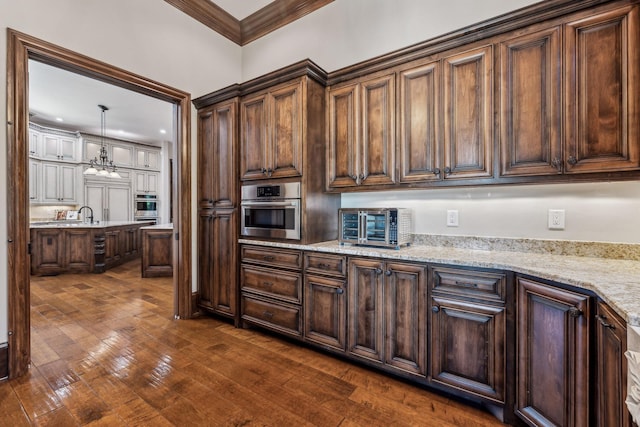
[[218, 207]]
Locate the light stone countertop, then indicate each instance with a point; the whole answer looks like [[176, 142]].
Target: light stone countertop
[[168, 226], [616, 281], [80, 224]]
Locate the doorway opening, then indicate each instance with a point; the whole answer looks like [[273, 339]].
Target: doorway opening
[[21, 49]]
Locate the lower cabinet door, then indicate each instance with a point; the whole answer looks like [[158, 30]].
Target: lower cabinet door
[[468, 347], [325, 311], [405, 302], [552, 382]]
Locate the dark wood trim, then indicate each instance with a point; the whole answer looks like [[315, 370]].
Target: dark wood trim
[[271, 17], [4, 361], [275, 15], [211, 15], [22, 47], [305, 67]]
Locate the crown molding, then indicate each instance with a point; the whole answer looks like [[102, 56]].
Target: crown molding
[[271, 17]]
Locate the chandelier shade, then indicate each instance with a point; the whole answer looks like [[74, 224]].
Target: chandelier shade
[[101, 165]]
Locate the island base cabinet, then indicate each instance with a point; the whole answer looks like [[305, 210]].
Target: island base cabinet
[[552, 382], [467, 348]]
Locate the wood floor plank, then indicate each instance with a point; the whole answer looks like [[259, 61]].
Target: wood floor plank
[[106, 351]]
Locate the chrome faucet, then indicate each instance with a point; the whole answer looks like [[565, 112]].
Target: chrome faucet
[[90, 210]]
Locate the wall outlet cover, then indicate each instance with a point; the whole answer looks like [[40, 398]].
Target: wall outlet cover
[[556, 219], [452, 218]]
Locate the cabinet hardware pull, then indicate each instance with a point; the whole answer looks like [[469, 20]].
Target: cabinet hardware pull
[[435, 309], [575, 312], [263, 170], [268, 314], [268, 284], [557, 164], [572, 161], [269, 172], [467, 285], [339, 291], [378, 271], [603, 322], [387, 273], [363, 177], [447, 170], [436, 171], [323, 265], [268, 258]]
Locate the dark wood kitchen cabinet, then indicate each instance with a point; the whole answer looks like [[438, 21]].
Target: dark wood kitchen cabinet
[[361, 132], [552, 381], [325, 300], [611, 368], [468, 316], [271, 289], [218, 210], [602, 80], [272, 132], [387, 315], [57, 250]]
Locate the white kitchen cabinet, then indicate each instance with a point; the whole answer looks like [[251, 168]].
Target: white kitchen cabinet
[[59, 183], [35, 179], [122, 155], [34, 143], [146, 182], [109, 201], [147, 158], [55, 147]]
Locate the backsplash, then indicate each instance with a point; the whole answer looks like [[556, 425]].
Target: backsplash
[[622, 251], [47, 213]]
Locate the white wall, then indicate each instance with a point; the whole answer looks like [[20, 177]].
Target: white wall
[[147, 37]]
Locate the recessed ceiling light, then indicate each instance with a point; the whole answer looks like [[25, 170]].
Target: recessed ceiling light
[[121, 132], [59, 119], [162, 131]]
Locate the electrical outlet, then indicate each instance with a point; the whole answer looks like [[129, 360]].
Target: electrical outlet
[[556, 219], [452, 218]]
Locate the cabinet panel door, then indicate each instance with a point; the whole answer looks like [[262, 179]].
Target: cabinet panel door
[[553, 355], [611, 383], [207, 159], [50, 175], [378, 131], [206, 267], [342, 128], [253, 137], [50, 256], [91, 149], [122, 155], [68, 183], [67, 149], [602, 55], [152, 182], [153, 159], [285, 127], [325, 311], [420, 123], [223, 150], [35, 183], [119, 203], [468, 114], [34, 143], [405, 303], [112, 246], [468, 347], [530, 122], [50, 147], [366, 309], [95, 196], [79, 251], [224, 259]]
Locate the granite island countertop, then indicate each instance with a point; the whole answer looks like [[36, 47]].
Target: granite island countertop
[[616, 281], [80, 224]]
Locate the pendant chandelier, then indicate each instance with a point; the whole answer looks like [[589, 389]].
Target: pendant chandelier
[[102, 166]]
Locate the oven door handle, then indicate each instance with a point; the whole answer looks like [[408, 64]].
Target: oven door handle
[[250, 204]]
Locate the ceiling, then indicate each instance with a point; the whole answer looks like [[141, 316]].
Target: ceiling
[[56, 94]]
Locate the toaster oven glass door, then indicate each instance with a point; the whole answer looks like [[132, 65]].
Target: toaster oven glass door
[[375, 226]]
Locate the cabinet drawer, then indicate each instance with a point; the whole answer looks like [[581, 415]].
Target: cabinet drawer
[[278, 284], [484, 285], [274, 257], [279, 317], [330, 265]]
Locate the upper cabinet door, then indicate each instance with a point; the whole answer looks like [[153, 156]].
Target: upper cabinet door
[[602, 57], [342, 136], [285, 131], [253, 137], [378, 120], [468, 114], [530, 113], [419, 111]]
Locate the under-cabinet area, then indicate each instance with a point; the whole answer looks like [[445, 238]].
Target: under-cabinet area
[[529, 349]]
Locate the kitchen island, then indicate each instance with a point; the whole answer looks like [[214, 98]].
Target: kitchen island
[[76, 247]]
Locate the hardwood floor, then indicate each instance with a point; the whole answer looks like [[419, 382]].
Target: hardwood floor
[[106, 351]]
